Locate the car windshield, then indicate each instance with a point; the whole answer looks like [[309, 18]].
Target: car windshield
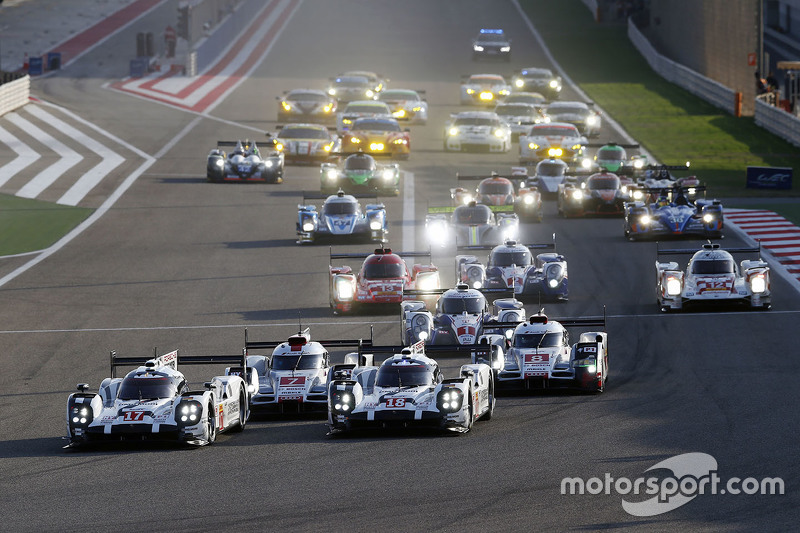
[[376, 125], [537, 74], [514, 110], [525, 99], [472, 214], [486, 80], [713, 266], [359, 162], [596, 183], [366, 108], [297, 362], [504, 259], [383, 270], [554, 132], [306, 97], [146, 388], [476, 121], [398, 95], [303, 133], [563, 109], [495, 188], [610, 154], [352, 82], [455, 305], [537, 340], [403, 376], [340, 208], [545, 168]]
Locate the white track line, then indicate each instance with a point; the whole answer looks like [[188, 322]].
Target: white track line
[[69, 158], [25, 156], [95, 175]]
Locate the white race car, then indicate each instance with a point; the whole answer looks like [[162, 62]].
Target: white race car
[[409, 390], [155, 402], [482, 131], [712, 277], [540, 356], [484, 89]]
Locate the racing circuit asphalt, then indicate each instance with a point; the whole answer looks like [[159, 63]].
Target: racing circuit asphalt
[[181, 263]]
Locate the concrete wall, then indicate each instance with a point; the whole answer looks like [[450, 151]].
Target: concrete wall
[[14, 94]]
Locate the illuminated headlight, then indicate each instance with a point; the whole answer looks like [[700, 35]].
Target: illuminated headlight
[[554, 273], [645, 220], [347, 121], [591, 121], [423, 335], [331, 91], [466, 199], [328, 147], [576, 146], [504, 92], [586, 163], [553, 84], [279, 147], [528, 199], [505, 48], [427, 281], [553, 283], [327, 108], [342, 401], [331, 174], [638, 163], [673, 286], [268, 163], [81, 415], [758, 284], [624, 189], [708, 218], [486, 95], [355, 140], [478, 48], [400, 113], [375, 225], [417, 109], [555, 152], [308, 226], [286, 106], [452, 131], [344, 289], [691, 191], [399, 141], [519, 83], [220, 163], [450, 400], [377, 147], [509, 333], [369, 93], [638, 195], [388, 174], [470, 91], [477, 284], [591, 369], [533, 146], [577, 194], [188, 413], [500, 132]]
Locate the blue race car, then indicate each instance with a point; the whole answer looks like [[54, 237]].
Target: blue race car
[[341, 218], [677, 212]]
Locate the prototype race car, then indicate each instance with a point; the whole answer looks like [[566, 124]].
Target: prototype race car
[[154, 401], [341, 218], [587, 120], [383, 278], [306, 105], [490, 44], [520, 117], [245, 163], [547, 176], [307, 143], [360, 172], [602, 193], [409, 390], [295, 378], [497, 190], [661, 177], [540, 356], [674, 214], [377, 135], [477, 131], [483, 89], [512, 266], [712, 277], [349, 88], [556, 140], [361, 109], [471, 224], [613, 158], [406, 105], [539, 80]]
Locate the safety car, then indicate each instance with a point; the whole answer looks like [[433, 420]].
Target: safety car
[[361, 109], [512, 266], [245, 162], [409, 390], [377, 135], [520, 117], [155, 401], [477, 131], [496, 190], [539, 355], [341, 218], [470, 223], [601, 193], [712, 278], [306, 143], [483, 89], [491, 43], [406, 105], [585, 118], [554, 140], [676, 212], [539, 80], [306, 105], [382, 279], [348, 88], [360, 171]]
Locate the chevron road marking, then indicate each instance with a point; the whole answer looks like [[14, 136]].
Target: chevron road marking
[[25, 156], [778, 236]]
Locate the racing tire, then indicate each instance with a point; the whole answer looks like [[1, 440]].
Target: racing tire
[[470, 412], [488, 415], [211, 425], [242, 412]]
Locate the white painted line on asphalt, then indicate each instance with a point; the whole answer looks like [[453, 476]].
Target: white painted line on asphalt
[[25, 156], [409, 220], [69, 158], [95, 175]]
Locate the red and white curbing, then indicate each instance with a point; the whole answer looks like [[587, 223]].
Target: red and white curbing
[[779, 237]]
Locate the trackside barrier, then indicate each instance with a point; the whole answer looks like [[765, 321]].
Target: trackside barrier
[[14, 94], [777, 121], [709, 90]]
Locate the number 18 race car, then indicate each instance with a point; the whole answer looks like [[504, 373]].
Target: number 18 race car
[[409, 390], [712, 277], [155, 402]]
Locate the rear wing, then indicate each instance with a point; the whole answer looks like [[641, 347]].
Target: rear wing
[[481, 351], [377, 251], [361, 344], [462, 177], [530, 246], [363, 152], [316, 195], [580, 322], [505, 292], [685, 188], [708, 246], [450, 208], [612, 144], [172, 359]]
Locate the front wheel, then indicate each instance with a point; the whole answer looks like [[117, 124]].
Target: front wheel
[[242, 412], [211, 426]]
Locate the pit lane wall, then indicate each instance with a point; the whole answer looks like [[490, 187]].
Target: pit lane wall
[[15, 93], [777, 121]]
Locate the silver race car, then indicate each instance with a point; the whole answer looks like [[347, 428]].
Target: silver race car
[[341, 218], [471, 224], [306, 105]]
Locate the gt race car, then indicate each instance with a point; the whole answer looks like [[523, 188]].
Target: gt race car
[[406, 105], [378, 136], [348, 88], [712, 278], [483, 89], [477, 131], [360, 172], [377, 81], [471, 223], [154, 401], [539, 355], [382, 280], [244, 163], [497, 190], [538, 80], [512, 266], [587, 120], [554, 140], [674, 214], [307, 143], [295, 377], [341, 218], [409, 390], [520, 117], [306, 105], [491, 43], [602, 193], [361, 109]]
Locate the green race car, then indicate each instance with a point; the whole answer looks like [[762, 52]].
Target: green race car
[[360, 172]]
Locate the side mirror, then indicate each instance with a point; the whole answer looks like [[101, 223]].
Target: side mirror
[[83, 387]]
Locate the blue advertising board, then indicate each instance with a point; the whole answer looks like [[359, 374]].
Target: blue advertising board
[[35, 66], [769, 177]]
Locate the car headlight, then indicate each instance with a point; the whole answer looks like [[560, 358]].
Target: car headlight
[[331, 174], [427, 281], [355, 140], [327, 108], [505, 48], [576, 146], [450, 400], [519, 83], [452, 131], [331, 91], [586, 163], [708, 218], [219, 163], [758, 284], [279, 147], [189, 413], [376, 147], [577, 194], [553, 84], [347, 121], [500, 132], [423, 335], [308, 226], [286, 106], [591, 369], [328, 147], [417, 109], [478, 48], [400, 141], [388, 174], [470, 91], [504, 92], [528, 199], [533, 146], [553, 283], [486, 95], [509, 333], [673, 286], [555, 152], [342, 401], [375, 225], [400, 113], [624, 189], [638, 164], [554, 272], [591, 121], [638, 195], [344, 289], [81, 414], [268, 163], [369, 93]]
